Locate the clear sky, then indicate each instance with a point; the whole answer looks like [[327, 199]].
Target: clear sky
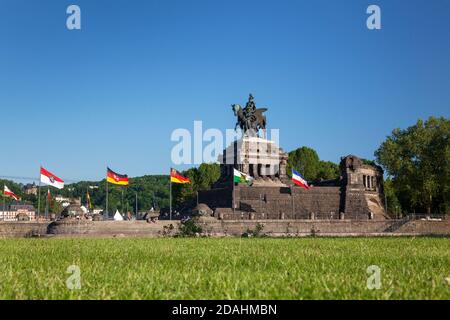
[[113, 92]]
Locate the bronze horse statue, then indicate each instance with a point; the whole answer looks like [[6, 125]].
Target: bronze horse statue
[[254, 121]]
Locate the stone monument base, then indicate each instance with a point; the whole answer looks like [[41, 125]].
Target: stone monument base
[[351, 197]]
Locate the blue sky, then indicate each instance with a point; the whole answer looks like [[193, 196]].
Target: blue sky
[[113, 92]]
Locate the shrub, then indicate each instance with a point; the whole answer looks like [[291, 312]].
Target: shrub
[[168, 230], [189, 228], [257, 232]]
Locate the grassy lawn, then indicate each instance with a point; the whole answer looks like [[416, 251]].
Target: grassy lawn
[[177, 268]]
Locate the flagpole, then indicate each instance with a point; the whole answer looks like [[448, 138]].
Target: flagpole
[[46, 203], [292, 198], [234, 197], [136, 206], [122, 202], [170, 200], [234, 194], [39, 199], [106, 213], [4, 203]]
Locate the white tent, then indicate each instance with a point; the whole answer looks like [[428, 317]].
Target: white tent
[[118, 216]]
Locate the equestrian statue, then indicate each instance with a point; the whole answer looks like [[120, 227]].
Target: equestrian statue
[[250, 119]]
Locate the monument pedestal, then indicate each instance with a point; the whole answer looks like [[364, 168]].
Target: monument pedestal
[[259, 158]]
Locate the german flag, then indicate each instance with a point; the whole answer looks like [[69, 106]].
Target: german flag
[[115, 178], [176, 177]]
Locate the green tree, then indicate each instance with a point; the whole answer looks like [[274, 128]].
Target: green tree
[[394, 205], [14, 187], [202, 178], [307, 162], [152, 191], [418, 161], [328, 170]]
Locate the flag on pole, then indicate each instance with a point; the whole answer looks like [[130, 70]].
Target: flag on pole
[[240, 177], [115, 178], [299, 180], [176, 177], [9, 193], [50, 179]]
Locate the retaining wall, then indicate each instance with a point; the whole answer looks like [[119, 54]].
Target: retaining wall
[[329, 227], [22, 229], [215, 227], [139, 228]]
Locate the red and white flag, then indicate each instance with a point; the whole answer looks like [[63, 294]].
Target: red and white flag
[[50, 179], [9, 193]]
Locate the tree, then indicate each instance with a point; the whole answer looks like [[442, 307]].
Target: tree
[[394, 205], [418, 161], [328, 170], [202, 178], [307, 162], [14, 187], [152, 191]]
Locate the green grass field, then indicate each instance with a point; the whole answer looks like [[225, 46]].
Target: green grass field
[[182, 268]]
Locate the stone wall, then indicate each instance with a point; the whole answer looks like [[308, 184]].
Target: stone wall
[[329, 228], [217, 198], [214, 227], [357, 195], [426, 227], [285, 203], [109, 228], [22, 229]]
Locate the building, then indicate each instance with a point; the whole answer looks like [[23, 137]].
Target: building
[[357, 194], [17, 212], [30, 189]]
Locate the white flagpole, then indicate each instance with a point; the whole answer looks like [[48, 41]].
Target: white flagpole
[[106, 214], [46, 203], [4, 202], [170, 205], [293, 204], [136, 206], [39, 193], [123, 211], [233, 184]]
